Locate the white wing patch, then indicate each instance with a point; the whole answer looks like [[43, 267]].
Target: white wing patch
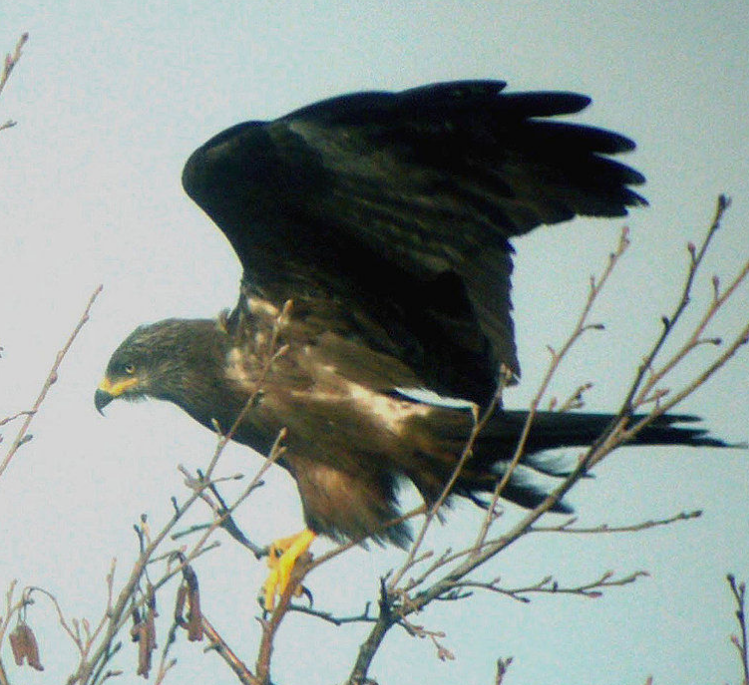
[[236, 367], [390, 412], [434, 399]]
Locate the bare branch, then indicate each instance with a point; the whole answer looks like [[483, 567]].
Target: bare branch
[[740, 642], [22, 435], [11, 59], [590, 590], [567, 527], [397, 603], [326, 616], [696, 258], [227, 654], [119, 612], [502, 666], [581, 326]]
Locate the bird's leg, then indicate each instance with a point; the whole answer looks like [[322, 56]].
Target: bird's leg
[[281, 560]]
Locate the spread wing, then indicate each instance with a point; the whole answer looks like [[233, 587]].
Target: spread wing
[[385, 217]]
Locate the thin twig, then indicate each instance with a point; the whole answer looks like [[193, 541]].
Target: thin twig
[[590, 590], [580, 328], [480, 552], [740, 642], [11, 59], [119, 613], [432, 513], [22, 435], [502, 666], [15, 416], [396, 606], [220, 646], [567, 526], [364, 617], [696, 256]]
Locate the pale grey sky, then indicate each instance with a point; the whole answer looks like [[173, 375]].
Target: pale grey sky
[[110, 98]]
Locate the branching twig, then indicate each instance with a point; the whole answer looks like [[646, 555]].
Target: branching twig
[[502, 666], [11, 59], [227, 654], [22, 435], [432, 513], [740, 642], [364, 617], [581, 327], [397, 603], [696, 257], [591, 590], [567, 526], [119, 613], [15, 416]]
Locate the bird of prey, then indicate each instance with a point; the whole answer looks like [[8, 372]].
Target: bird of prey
[[384, 219]]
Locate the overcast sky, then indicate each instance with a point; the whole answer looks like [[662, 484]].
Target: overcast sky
[[110, 99]]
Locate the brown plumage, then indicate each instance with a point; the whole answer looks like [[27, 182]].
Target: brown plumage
[[384, 218]]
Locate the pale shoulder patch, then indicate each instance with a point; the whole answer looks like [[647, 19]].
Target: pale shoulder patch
[[390, 412], [236, 368], [260, 307], [434, 399]]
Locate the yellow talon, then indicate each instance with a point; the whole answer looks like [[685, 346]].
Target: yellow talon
[[282, 557]]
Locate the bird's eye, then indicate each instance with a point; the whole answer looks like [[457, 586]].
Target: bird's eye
[[129, 369]]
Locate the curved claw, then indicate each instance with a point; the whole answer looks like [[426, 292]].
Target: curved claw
[[281, 561]]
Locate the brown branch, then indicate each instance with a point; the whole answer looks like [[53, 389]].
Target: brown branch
[[271, 625], [396, 605], [11, 609], [480, 552], [567, 526], [221, 509], [591, 590], [119, 613], [326, 616], [696, 257], [11, 59], [15, 416], [220, 646], [580, 328], [22, 435], [3, 675], [574, 401], [502, 666], [696, 339], [740, 642], [385, 620]]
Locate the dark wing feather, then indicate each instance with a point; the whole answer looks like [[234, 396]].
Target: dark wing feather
[[387, 215]]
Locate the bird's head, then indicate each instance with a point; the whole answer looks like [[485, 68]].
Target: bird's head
[[165, 360]]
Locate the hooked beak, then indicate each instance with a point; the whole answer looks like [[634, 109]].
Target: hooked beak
[[108, 391], [101, 399]]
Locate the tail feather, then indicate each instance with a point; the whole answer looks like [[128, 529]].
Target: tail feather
[[538, 471], [550, 430]]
